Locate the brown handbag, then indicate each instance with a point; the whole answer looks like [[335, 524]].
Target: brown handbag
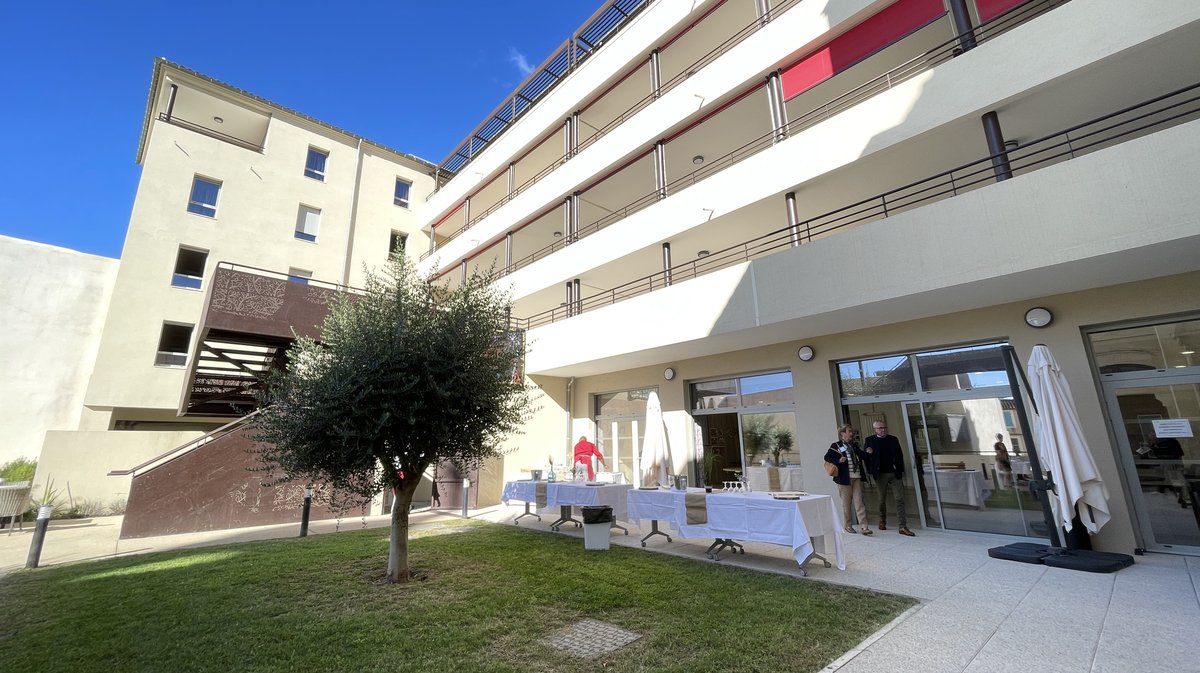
[[831, 469]]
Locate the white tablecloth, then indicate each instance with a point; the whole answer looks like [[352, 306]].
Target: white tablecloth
[[563, 493], [959, 487], [752, 516], [790, 478], [522, 490]]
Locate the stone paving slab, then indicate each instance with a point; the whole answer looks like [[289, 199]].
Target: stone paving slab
[[590, 638]]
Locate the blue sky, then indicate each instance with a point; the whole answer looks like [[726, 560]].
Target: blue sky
[[416, 76]]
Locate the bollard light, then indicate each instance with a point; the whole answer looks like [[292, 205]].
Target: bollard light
[[466, 484], [39, 535], [308, 494]]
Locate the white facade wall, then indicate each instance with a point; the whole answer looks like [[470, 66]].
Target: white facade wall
[[54, 303]]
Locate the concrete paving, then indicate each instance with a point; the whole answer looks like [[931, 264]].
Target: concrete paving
[[976, 615]]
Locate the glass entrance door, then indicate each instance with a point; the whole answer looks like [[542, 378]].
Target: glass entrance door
[[1156, 418], [620, 440], [968, 466]]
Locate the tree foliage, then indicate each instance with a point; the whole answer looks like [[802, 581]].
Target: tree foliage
[[407, 373]]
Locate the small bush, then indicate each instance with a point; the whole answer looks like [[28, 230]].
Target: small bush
[[117, 506], [20, 469]]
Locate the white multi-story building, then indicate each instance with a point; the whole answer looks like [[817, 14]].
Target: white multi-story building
[[237, 190], [785, 215], [777, 215]]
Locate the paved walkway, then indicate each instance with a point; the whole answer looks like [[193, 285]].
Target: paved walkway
[[976, 615]]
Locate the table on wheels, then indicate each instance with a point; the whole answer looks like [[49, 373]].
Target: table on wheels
[[753, 516], [566, 494], [525, 490]]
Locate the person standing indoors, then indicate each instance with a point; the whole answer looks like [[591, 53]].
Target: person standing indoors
[[885, 459], [1003, 463], [584, 450], [851, 470]]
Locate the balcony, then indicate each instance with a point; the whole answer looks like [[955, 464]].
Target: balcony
[[251, 317]]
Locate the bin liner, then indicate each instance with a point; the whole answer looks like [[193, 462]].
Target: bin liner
[[597, 513]]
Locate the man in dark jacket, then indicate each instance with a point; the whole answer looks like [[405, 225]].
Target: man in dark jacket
[[886, 462]]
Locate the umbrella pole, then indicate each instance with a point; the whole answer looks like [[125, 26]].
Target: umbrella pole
[[1038, 487]]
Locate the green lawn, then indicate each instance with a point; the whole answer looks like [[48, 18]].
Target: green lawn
[[488, 596]]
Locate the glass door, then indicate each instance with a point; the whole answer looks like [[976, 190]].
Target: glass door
[[967, 467], [1156, 417]]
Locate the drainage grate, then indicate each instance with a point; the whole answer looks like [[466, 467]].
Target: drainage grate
[[590, 638]]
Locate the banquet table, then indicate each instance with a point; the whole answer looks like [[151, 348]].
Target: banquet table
[[775, 478], [960, 487], [568, 494], [754, 516], [524, 490]]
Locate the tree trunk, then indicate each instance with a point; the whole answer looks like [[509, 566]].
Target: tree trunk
[[398, 545]]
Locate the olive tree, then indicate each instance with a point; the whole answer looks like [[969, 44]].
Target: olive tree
[[407, 373]]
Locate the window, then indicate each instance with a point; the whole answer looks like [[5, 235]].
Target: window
[[299, 276], [189, 268], [204, 197], [173, 345], [396, 244], [314, 166], [402, 189], [308, 223]]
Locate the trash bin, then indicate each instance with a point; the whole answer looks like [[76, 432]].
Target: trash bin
[[597, 522]]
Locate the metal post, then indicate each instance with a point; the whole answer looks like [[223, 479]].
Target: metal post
[[660, 168], [578, 291], [962, 25], [567, 123], [508, 245], [573, 217], [39, 536], [466, 484], [793, 219], [512, 177], [1038, 487], [462, 273], [467, 211], [763, 8], [308, 492], [570, 299], [655, 74], [171, 101], [666, 263], [995, 142]]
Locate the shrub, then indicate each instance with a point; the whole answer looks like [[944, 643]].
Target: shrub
[[20, 469]]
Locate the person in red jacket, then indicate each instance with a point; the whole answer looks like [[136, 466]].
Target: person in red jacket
[[584, 450]]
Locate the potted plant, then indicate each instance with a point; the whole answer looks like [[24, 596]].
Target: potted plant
[[783, 442]]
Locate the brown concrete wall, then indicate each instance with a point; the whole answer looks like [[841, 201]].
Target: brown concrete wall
[[213, 488]]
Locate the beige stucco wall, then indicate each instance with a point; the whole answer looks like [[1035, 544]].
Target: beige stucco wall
[[54, 301], [79, 462], [815, 385]]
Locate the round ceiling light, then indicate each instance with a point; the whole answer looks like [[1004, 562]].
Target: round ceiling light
[[1038, 316], [218, 120], [698, 159], [806, 353], [669, 373]]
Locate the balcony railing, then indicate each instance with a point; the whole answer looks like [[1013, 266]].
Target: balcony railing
[[905, 71], [583, 43], [1152, 115]]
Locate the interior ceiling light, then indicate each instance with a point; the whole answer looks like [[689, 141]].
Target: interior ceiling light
[[702, 253], [698, 159], [558, 234], [218, 120], [1011, 144], [1187, 352]]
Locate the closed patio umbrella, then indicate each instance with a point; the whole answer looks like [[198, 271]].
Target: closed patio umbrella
[[654, 445], [1064, 453]]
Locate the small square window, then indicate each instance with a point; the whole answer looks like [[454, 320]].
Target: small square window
[[299, 276], [402, 189], [396, 244], [203, 200], [173, 345], [308, 223], [189, 268], [314, 166]]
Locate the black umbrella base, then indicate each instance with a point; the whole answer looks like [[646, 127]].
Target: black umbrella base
[[1057, 557]]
